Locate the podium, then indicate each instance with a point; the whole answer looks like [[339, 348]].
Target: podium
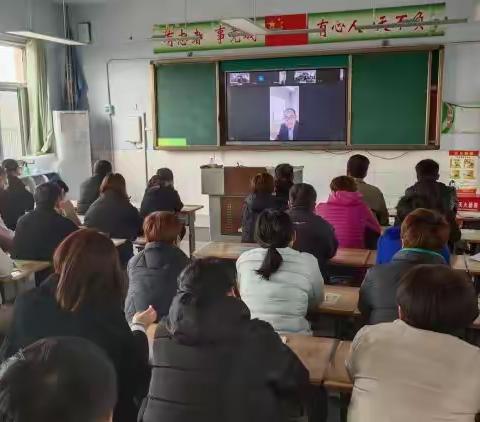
[[227, 188]]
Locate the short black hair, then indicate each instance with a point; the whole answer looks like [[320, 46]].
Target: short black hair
[[10, 165], [437, 298], [47, 195], [207, 280], [62, 185], [165, 174], [64, 379], [427, 170], [303, 195], [357, 166], [102, 168], [274, 229], [409, 203], [284, 171]]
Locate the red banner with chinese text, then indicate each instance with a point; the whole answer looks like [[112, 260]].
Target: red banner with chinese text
[[299, 21]]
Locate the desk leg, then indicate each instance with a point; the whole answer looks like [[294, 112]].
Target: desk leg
[[191, 232]]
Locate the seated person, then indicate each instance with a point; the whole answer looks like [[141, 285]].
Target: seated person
[[289, 130], [390, 241], [40, 231], [84, 298], [90, 188], [279, 284], [441, 197], [113, 214], [154, 271], [345, 210], [17, 199], [417, 368], [284, 174], [64, 379], [313, 234], [160, 194], [424, 234], [6, 234], [357, 167], [66, 207], [260, 199], [213, 363]]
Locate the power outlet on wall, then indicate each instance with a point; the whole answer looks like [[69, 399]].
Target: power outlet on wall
[[110, 109]]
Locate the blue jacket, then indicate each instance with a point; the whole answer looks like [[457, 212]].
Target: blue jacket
[[390, 243]]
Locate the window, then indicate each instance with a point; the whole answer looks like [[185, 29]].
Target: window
[[13, 102]]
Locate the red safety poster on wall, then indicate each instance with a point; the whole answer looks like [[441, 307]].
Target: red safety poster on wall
[[464, 167]]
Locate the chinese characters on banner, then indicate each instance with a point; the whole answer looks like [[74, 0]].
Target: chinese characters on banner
[[332, 27], [464, 167]]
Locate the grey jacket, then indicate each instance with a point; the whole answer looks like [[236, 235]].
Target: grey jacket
[[153, 277], [377, 302]]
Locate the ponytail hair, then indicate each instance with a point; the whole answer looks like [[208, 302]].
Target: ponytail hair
[[273, 230]]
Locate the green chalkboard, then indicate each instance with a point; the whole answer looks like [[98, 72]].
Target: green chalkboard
[[186, 104], [389, 98]]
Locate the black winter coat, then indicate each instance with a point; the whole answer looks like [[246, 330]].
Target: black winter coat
[[37, 315], [89, 192], [160, 198], [153, 277], [315, 236], [118, 218], [39, 233], [254, 204], [378, 293], [215, 364], [15, 201]]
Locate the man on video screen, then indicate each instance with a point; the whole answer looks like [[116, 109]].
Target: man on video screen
[[289, 131]]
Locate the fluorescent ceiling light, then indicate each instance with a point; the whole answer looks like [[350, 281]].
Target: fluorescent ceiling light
[[44, 37], [246, 25]]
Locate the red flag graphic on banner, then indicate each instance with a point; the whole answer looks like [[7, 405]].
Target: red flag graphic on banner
[[299, 21]]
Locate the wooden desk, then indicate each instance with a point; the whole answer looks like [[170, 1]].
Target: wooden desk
[[232, 251], [189, 212], [340, 300], [24, 269], [471, 236], [336, 377]]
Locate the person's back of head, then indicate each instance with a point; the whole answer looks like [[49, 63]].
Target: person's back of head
[[284, 175], [63, 379], [88, 270], [262, 183], [344, 184], [357, 166], [274, 229], [303, 195], [47, 195], [409, 203], [165, 177], [102, 168], [11, 167], [437, 298], [115, 182], [162, 226], [427, 171], [425, 229], [154, 181]]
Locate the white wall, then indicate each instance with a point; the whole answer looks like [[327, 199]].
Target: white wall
[[115, 22]]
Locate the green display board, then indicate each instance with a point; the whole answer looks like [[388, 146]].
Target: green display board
[[389, 98], [186, 104]]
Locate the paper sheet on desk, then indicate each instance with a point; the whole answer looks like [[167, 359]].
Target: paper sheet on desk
[[331, 298], [475, 257]]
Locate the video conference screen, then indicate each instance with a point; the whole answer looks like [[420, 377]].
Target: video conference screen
[[301, 105]]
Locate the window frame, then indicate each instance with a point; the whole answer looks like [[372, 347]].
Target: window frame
[[17, 87]]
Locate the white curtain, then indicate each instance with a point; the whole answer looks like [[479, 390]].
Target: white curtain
[[41, 122]]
